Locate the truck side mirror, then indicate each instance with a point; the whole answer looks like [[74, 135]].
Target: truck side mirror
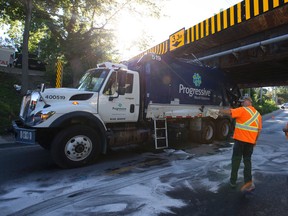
[[121, 76]]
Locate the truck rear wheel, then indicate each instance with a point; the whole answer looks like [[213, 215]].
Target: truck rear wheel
[[223, 129], [76, 146], [207, 133]]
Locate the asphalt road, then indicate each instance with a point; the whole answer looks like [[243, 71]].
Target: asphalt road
[[269, 198], [192, 181], [17, 161], [271, 177]]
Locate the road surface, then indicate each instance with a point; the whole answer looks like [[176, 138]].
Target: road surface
[[172, 182]]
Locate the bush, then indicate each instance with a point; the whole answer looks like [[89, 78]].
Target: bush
[[267, 106], [10, 102]]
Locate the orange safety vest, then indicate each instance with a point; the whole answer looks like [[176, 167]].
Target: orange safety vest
[[248, 124]]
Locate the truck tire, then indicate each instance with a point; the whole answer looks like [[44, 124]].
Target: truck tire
[[76, 146], [223, 129], [207, 133]]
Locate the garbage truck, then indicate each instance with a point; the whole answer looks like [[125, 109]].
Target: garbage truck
[[155, 100]]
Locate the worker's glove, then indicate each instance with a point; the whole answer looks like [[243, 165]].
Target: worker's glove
[[214, 113]]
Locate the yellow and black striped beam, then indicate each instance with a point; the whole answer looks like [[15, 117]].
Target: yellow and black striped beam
[[238, 13], [234, 15], [160, 49]]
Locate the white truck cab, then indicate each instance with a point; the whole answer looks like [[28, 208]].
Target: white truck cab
[[106, 94]]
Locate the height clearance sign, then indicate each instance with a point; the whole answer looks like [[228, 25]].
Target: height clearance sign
[[177, 39]]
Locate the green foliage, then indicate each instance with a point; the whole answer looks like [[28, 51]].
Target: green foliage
[[264, 104], [267, 106], [10, 102], [282, 93], [81, 31]]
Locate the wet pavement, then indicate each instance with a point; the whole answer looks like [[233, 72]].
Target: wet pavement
[[190, 180]]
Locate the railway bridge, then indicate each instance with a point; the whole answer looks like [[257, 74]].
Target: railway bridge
[[249, 41]]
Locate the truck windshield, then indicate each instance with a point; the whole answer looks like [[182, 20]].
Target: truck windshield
[[93, 80]]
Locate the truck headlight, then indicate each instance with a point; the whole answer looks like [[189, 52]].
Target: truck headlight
[[42, 116]]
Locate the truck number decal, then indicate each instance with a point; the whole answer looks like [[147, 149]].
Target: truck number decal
[[55, 97], [26, 135], [156, 57]]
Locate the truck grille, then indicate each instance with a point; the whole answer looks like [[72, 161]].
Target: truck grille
[[25, 106]]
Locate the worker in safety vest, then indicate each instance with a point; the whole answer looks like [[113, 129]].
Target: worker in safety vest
[[247, 129], [285, 130]]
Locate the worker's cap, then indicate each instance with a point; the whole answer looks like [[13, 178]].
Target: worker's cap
[[245, 98]]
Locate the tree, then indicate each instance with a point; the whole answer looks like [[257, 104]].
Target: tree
[[20, 10], [282, 93], [28, 16], [81, 28]]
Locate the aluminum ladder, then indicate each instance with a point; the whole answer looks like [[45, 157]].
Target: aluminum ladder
[[160, 133]]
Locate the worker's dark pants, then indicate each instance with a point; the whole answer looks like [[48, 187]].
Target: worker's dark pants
[[245, 150]]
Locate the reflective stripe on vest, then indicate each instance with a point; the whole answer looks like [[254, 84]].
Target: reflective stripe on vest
[[247, 125]]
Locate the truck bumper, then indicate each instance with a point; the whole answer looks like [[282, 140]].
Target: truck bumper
[[22, 134]]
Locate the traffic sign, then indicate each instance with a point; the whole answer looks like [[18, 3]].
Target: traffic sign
[[177, 39]]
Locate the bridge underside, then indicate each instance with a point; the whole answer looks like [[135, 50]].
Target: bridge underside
[[263, 64]]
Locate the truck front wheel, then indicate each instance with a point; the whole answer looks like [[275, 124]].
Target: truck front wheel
[[76, 146]]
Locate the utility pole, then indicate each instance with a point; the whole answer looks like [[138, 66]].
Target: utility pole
[[261, 94]]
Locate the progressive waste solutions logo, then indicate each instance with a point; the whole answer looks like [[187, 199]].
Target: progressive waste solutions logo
[[119, 107], [197, 79], [197, 92]]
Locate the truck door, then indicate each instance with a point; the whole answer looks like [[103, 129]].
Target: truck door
[[113, 107]]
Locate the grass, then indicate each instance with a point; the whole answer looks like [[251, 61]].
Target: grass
[[10, 101]]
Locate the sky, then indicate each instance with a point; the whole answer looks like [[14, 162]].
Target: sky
[[179, 14]]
